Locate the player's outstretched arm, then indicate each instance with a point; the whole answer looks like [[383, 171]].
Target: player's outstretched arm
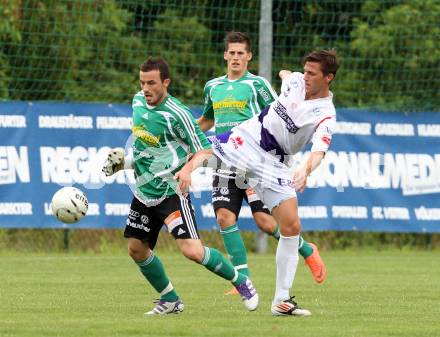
[[117, 161], [300, 176], [184, 175]]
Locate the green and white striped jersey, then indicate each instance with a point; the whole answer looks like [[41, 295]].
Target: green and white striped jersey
[[231, 102], [164, 137]]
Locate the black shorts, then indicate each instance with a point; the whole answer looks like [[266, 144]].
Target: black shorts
[[229, 191], [176, 212]]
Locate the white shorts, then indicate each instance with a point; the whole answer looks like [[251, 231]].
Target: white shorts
[[270, 178]]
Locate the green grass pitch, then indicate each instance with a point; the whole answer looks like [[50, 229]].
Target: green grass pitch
[[367, 293]]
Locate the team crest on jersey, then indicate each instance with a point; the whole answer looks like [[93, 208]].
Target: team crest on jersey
[[316, 111], [326, 140], [295, 83], [236, 141]]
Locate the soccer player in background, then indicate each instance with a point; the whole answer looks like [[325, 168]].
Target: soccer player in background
[[165, 134], [230, 100], [258, 148]]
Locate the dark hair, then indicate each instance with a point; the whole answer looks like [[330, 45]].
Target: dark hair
[[156, 64], [237, 37], [328, 59]]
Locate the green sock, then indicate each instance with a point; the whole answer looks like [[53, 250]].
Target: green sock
[[276, 232], [214, 261], [304, 248], [154, 272], [235, 248]]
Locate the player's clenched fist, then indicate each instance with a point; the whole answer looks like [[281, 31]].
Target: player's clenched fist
[[114, 161]]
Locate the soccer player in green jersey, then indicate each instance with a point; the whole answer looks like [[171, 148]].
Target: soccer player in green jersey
[[230, 100], [165, 136]]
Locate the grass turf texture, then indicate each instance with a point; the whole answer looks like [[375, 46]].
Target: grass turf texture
[[367, 293]]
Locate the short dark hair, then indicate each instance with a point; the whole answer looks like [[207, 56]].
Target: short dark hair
[[327, 58], [237, 37], [156, 64]]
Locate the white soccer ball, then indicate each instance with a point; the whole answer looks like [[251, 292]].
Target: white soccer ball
[[69, 205]]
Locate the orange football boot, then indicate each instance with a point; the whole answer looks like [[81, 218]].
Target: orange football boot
[[316, 265]]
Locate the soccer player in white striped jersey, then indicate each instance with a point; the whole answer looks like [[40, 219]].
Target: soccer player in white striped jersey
[[303, 113], [165, 135], [230, 100]]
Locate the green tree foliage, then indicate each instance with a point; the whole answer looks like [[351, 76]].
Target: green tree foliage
[[87, 50], [185, 43], [78, 50], [9, 33], [394, 57]]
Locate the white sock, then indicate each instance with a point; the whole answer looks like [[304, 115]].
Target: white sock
[[287, 262]]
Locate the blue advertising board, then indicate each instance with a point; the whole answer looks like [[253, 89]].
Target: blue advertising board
[[382, 172]]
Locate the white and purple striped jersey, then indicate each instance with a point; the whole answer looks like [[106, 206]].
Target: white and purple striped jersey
[[259, 148], [291, 122]]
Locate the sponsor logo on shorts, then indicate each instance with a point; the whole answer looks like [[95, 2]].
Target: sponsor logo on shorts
[[144, 219], [137, 225], [181, 231], [221, 198], [225, 172], [285, 182], [133, 214], [224, 190]]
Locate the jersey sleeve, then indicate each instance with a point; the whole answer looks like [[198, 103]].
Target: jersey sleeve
[[323, 134], [138, 107], [208, 109], [188, 131], [265, 94], [293, 88]]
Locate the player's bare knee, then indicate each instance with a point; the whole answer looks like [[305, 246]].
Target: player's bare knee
[[225, 218], [193, 254], [191, 249], [291, 227], [138, 252]]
